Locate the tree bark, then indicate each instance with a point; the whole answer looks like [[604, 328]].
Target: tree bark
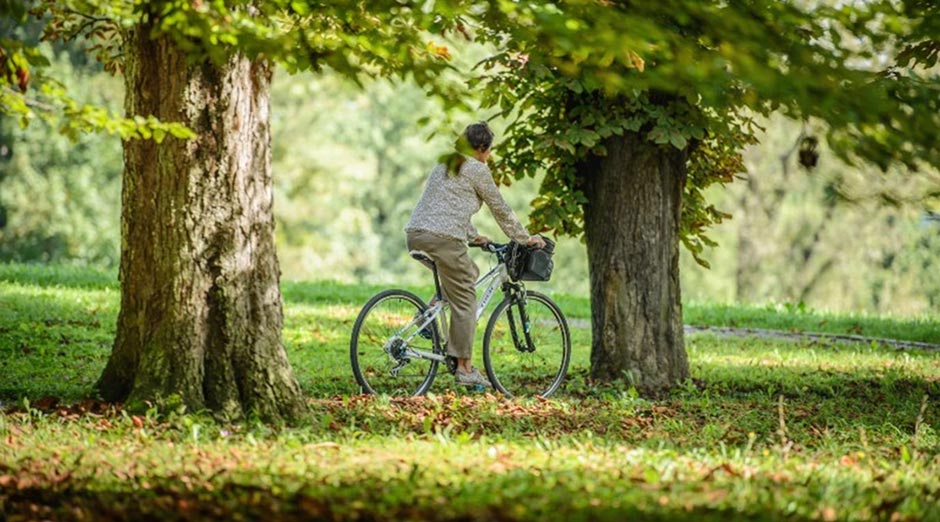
[[631, 223], [201, 316]]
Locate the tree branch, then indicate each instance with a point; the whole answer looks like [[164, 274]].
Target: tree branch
[[89, 17], [785, 157], [30, 102]]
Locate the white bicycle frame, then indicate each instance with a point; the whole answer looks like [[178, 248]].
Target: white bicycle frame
[[495, 279]]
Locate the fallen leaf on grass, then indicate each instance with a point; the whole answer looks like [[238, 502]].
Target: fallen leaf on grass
[[848, 460], [723, 467], [718, 495], [46, 403]]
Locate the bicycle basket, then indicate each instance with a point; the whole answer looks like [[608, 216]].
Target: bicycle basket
[[531, 264]]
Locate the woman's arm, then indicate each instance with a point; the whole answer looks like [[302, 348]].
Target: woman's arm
[[472, 233], [486, 188]]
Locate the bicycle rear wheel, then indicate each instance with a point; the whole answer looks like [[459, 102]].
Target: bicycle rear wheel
[[377, 346], [524, 365]]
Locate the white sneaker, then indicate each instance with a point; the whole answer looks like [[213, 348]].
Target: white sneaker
[[471, 379]]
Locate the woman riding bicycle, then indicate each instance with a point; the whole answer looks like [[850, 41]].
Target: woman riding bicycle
[[440, 227]]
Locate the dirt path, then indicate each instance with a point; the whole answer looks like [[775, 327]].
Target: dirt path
[[803, 336], [759, 333]]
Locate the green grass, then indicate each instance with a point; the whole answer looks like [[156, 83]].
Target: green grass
[[765, 430]]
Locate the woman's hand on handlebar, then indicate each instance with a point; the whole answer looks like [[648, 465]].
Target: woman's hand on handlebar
[[484, 243], [480, 241], [536, 242]]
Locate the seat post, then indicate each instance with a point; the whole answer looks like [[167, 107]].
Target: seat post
[[437, 283], [428, 261]]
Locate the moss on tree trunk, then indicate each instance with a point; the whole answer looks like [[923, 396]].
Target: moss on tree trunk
[[201, 313]]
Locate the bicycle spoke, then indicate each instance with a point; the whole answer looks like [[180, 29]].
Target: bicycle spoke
[[378, 356], [518, 368]]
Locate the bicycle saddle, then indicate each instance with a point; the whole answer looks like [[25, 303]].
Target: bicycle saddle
[[422, 257]]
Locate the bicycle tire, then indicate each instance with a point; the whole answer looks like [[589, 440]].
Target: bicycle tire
[[519, 373], [372, 365]]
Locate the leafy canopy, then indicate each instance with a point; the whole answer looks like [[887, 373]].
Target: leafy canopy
[[573, 74], [693, 75], [28, 92], [354, 37]]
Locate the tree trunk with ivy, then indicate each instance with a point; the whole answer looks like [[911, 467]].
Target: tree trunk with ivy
[[631, 225], [200, 320]]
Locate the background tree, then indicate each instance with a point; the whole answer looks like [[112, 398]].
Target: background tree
[[634, 108], [368, 145], [60, 196], [811, 235]]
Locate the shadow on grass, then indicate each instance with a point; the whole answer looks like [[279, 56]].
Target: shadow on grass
[[820, 413], [394, 499], [816, 406]]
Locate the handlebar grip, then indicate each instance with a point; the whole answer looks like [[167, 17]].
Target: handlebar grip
[[490, 247]]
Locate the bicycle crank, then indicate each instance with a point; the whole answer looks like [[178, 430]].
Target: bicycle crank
[[401, 364]]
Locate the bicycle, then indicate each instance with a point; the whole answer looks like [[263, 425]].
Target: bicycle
[[396, 343]]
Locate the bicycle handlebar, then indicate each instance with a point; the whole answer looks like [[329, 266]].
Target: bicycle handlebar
[[491, 247]]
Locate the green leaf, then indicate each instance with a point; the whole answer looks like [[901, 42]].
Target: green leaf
[[659, 137], [589, 138], [634, 123], [301, 8], [651, 476], [180, 131], [678, 141]]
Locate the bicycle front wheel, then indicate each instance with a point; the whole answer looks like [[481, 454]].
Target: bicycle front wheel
[[527, 346], [379, 346]]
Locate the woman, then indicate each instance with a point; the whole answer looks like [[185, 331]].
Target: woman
[[440, 226]]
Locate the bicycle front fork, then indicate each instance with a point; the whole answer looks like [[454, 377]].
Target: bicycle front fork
[[523, 342]]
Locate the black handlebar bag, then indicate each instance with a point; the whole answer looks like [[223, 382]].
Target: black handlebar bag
[[531, 264]]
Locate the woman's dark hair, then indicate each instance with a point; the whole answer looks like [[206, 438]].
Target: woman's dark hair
[[476, 137], [479, 135]]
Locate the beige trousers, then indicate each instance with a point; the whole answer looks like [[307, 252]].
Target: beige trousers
[[458, 275]]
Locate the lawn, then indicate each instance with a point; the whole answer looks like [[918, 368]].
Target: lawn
[[766, 429]]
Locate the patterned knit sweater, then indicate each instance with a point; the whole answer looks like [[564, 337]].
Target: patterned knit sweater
[[448, 203]]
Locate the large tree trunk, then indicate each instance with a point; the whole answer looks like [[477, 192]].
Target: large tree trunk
[[201, 310], [631, 223]]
